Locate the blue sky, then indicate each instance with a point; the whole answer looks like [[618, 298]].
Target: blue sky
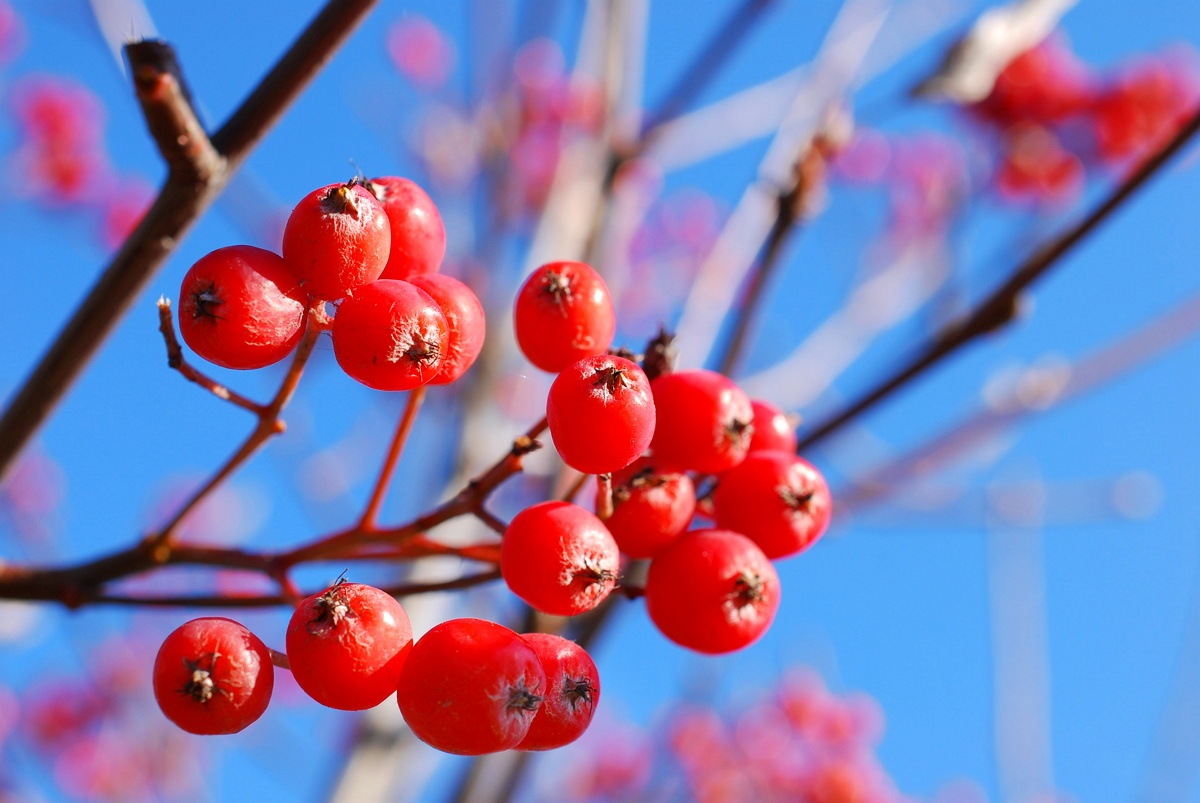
[[894, 607]]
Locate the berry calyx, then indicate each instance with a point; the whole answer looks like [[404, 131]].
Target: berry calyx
[[240, 307], [563, 313], [465, 326], [390, 335], [601, 414], [778, 500], [337, 239], [705, 421], [346, 646], [559, 558], [572, 692], [471, 687], [213, 676], [418, 241], [652, 506], [712, 591]]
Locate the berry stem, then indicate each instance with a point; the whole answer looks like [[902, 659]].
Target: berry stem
[[176, 360], [279, 659], [411, 406], [604, 501]]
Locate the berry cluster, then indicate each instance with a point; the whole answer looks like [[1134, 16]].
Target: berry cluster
[[1055, 117], [375, 246], [649, 435], [650, 440], [468, 686]]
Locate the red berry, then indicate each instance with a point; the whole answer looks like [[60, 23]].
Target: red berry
[[563, 314], [559, 558], [346, 646], [652, 506], [337, 239], [601, 414], [240, 307], [418, 236], [390, 335], [776, 499], [213, 676], [712, 591], [470, 687], [464, 319], [705, 421], [572, 692], [772, 430]]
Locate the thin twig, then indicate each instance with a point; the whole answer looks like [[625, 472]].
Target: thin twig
[[998, 309], [493, 522], [269, 424], [604, 497], [411, 406], [176, 360], [199, 168]]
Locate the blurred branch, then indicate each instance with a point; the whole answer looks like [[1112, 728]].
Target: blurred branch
[[198, 169], [998, 309], [1036, 391]]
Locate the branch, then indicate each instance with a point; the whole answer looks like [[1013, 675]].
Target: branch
[[407, 590], [198, 170], [998, 309]]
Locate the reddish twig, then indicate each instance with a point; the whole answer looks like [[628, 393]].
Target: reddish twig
[[998, 309], [411, 406], [176, 360], [269, 424]]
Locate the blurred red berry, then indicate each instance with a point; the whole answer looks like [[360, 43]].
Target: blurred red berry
[[421, 52], [772, 429]]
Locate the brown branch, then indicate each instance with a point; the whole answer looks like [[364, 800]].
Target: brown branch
[[176, 360], [407, 590], [198, 170], [998, 309]]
